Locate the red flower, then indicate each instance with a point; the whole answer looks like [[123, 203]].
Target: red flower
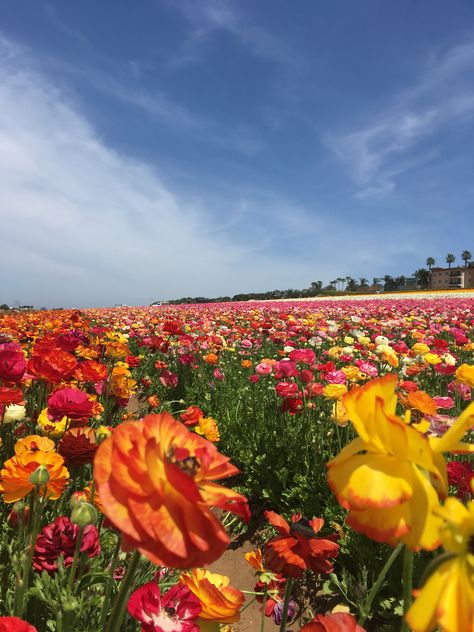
[[176, 610], [191, 416], [12, 366], [337, 622], [14, 624], [168, 378], [78, 446], [59, 538], [10, 395], [69, 402], [53, 366], [297, 548]]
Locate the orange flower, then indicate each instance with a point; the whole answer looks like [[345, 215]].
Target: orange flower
[[297, 547], [211, 358], [220, 602], [254, 558], [421, 401], [208, 428], [32, 443], [246, 364], [156, 483], [15, 476]]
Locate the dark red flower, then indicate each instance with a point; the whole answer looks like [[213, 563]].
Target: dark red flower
[[78, 446], [460, 474], [59, 539], [176, 610], [14, 624], [298, 548], [69, 402], [12, 366]]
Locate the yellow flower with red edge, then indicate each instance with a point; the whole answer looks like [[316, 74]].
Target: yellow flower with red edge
[[447, 598], [220, 601], [389, 477]]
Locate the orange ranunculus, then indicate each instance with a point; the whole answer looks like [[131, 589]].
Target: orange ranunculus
[[90, 371], [297, 547], [421, 401], [207, 427], [15, 476], [211, 358], [246, 364], [32, 443], [220, 602], [53, 366], [156, 483]]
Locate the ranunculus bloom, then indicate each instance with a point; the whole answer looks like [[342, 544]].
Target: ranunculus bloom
[[78, 446], [447, 598], [13, 412], [390, 476], [460, 474], [59, 539], [54, 366], [156, 483], [91, 371], [191, 415], [175, 611], [32, 443], [207, 427], [12, 366], [297, 547], [14, 624], [220, 602], [421, 401], [337, 622], [10, 395], [71, 403], [16, 472], [465, 374]]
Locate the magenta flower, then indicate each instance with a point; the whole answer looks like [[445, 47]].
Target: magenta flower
[[176, 610]]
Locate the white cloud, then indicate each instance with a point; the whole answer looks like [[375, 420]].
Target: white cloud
[[380, 152]]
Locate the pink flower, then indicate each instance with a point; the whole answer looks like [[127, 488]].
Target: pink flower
[[59, 539], [12, 366], [367, 368], [335, 377], [443, 402], [263, 368], [286, 368], [460, 389], [218, 374], [176, 610]]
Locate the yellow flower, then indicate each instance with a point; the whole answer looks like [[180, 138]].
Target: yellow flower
[[390, 476], [352, 373], [431, 358], [207, 426], [420, 348], [339, 414], [220, 602], [447, 598], [334, 391], [465, 374], [52, 429]]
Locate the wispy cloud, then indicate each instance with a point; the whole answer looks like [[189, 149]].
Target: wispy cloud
[[379, 153]]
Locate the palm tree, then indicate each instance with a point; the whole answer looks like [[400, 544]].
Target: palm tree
[[466, 256], [363, 281], [376, 280], [450, 258], [430, 262]]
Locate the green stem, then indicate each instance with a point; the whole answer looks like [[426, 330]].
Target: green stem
[[407, 585], [365, 611], [115, 621], [75, 561], [110, 583], [264, 605], [36, 510], [284, 614]]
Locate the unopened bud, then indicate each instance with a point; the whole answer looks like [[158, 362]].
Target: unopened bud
[[83, 514], [69, 604], [76, 498], [40, 476], [19, 514]]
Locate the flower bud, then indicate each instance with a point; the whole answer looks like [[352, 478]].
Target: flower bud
[[83, 514], [76, 498], [40, 476], [102, 433], [69, 604], [19, 514]]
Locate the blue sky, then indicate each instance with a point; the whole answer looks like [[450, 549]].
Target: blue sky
[[167, 148]]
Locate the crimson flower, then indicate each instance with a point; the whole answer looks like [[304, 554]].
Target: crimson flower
[[12, 366], [460, 474], [78, 446], [298, 548], [59, 538], [69, 402], [176, 610]]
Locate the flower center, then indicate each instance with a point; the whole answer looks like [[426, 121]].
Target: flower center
[[184, 460], [302, 527]]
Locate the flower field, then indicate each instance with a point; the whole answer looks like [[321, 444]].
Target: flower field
[[335, 436]]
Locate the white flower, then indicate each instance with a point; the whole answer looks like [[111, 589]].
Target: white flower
[[13, 412]]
